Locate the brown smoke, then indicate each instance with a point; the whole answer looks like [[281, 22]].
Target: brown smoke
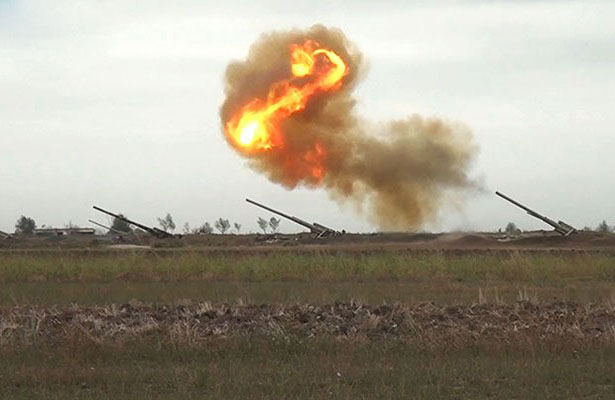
[[403, 171]]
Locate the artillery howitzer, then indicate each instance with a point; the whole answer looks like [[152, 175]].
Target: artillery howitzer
[[4, 235], [159, 233], [560, 226], [317, 229]]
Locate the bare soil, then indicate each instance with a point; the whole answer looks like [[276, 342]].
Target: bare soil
[[191, 323]]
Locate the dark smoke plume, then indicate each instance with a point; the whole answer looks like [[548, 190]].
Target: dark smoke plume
[[401, 172]]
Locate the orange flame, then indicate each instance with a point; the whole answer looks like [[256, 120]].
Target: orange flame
[[255, 128]]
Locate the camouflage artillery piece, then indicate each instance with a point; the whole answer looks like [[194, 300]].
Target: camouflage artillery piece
[[560, 227], [317, 229], [158, 233]]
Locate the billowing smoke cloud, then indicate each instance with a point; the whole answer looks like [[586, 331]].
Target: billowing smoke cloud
[[401, 172]]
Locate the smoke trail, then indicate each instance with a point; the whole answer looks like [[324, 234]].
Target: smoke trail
[[401, 171]]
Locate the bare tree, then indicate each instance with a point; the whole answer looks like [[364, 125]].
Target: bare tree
[[237, 227], [222, 225], [205, 228], [120, 225], [186, 228], [604, 227], [274, 224], [25, 225], [511, 229], [263, 224], [167, 223]]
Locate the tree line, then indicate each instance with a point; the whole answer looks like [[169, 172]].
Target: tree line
[[27, 225], [603, 227]]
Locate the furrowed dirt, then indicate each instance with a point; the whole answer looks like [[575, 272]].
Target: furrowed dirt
[[587, 324]]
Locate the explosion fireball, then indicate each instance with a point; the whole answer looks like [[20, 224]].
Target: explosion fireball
[[255, 126], [289, 111]]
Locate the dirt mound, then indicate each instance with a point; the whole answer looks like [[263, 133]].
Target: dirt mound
[[544, 241], [602, 240], [471, 240], [579, 240], [520, 321]]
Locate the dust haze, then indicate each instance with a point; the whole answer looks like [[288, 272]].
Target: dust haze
[[400, 173]]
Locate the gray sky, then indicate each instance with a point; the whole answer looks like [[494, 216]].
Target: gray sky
[[115, 103]]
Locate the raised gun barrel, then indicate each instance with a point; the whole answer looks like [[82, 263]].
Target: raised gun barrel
[[318, 229], [159, 233], [108, 228], [560, 227]]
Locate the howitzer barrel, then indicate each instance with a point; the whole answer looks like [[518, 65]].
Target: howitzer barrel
[[559, 227], [296, 220], [154, 231], [502, 195], [107, 227], [111, 214], [121, 217]]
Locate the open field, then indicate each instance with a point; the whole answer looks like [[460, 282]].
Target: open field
[[346, 320], [342, 351], [315, 277], [248, 368]]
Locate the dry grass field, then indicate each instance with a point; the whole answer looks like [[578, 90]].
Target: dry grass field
[[376, 320]]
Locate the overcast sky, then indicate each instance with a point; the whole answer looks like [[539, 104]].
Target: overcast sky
[[115, 103]]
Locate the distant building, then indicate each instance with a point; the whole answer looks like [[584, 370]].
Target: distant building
[[63, 231]]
